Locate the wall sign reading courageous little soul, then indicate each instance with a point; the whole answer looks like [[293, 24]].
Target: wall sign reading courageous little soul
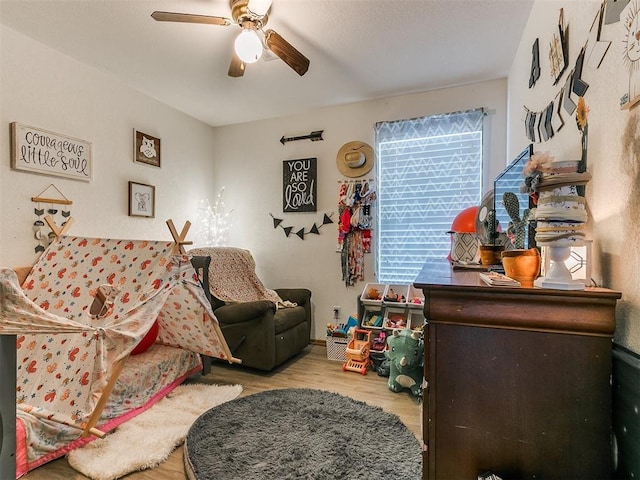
[[40, 151], [299, 185]]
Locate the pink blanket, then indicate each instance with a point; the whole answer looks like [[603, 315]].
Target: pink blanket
[[232, 275]]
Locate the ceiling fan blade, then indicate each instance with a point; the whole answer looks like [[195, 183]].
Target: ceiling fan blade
[[286, 52], [236, 68], [190, 18]]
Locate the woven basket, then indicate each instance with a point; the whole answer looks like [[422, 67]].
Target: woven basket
[[336, 349]]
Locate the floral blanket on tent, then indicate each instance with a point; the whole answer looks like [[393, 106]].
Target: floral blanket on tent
[[65, 354], [232, 276]]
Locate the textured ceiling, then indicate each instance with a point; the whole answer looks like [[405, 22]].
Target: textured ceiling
[[359, 49]]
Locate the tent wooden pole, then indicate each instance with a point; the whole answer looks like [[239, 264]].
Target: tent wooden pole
[[46, 416], [95, 415], [22, 273], [225, 347], [179, 239], [57, 231]]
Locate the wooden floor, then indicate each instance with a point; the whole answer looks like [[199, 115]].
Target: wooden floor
[[310, 369]]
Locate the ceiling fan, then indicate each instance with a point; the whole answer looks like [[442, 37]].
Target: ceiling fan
[[251, 16]]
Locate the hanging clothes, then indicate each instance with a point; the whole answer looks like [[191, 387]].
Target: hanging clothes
[[354, 228]]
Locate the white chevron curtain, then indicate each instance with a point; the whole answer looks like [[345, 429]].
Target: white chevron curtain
[[429, 170]]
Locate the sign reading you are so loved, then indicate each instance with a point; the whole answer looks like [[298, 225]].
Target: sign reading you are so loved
[[299, 185], [40, 151]]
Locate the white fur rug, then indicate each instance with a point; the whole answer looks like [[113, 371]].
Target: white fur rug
[[147, 440]]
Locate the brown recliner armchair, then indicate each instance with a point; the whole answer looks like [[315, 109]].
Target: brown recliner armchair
[[260, 334]]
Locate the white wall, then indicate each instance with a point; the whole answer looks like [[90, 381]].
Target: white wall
[[45, 89], [42, 88], [612, 195], [249, 165]]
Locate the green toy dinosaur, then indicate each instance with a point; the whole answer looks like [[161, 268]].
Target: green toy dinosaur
[[405, 353]]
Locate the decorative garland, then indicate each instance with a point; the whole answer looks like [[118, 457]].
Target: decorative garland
[[315, 229], [542, 125]]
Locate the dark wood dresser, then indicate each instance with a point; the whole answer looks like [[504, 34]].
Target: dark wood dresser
[[517, 379]]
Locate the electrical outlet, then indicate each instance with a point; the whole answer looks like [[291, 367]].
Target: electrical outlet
[[336, 312]]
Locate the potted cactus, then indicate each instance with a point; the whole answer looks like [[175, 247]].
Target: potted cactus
[[520, 264], [517, 229], [490, 247]]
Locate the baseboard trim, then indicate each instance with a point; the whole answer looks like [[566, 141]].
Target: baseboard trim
[[315, 341]]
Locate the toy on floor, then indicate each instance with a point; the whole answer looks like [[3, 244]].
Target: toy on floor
[[358, 352], [341, 330], [379, 363], [405, 353], [379, 343]]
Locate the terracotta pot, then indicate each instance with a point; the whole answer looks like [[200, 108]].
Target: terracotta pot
[[490, 254], [522, 265]]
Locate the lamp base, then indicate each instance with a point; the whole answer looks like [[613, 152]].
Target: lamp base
[[559, 276], [544, 282]]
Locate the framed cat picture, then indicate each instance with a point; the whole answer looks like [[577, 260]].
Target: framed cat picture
[[146, 149]]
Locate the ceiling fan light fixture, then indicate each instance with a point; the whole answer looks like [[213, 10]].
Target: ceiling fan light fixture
[[248, 46], [259, 8]]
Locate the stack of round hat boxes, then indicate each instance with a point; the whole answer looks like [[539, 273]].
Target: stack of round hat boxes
[[561, 212]]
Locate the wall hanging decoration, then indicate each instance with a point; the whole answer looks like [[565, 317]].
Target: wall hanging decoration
[[630, 17], [146, 149], [559, 50], [299, 185], [355, 159], [596, 48], [567, 102], [542, 125], [535, 63], [58, 198], [313, 136], [613, 10], [40, 151], [315, 228], [355, 199], [579, 86], [142, 200]]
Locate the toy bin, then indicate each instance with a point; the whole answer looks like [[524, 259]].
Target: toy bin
[[396, 295], [415, 298], [395, 318], [416, 318], [337, 349], [367, 299], [372, 319]]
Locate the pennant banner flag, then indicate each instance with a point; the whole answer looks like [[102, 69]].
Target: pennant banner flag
[[315, 228]]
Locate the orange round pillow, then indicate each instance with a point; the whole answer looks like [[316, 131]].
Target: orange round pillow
[[147, 340]]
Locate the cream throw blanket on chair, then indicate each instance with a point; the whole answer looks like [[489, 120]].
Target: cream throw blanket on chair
[[232, 276]]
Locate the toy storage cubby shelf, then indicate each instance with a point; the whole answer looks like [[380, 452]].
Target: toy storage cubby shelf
[[396, 306]]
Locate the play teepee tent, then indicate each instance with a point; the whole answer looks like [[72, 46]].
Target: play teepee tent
[[85, 305]]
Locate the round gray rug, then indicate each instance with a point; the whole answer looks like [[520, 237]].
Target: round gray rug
[[300, 434]]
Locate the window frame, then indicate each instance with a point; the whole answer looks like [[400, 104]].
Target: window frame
[[434, 122]]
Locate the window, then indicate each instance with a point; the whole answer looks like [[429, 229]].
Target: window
[[429, 169]]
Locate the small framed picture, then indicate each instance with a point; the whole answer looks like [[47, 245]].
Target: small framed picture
[[142, 200], [146, 149]]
